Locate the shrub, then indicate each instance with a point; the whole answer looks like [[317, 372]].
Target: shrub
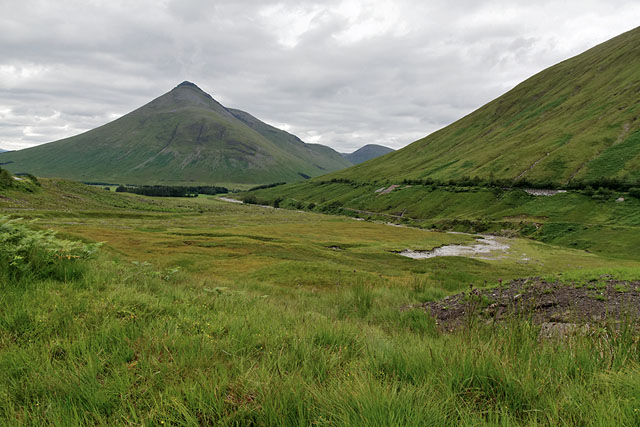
[[264, 186], [32, 253], [634, 192], [250, 199], [6, 180], [171, 190]]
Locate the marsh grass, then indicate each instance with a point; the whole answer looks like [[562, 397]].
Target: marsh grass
[[282, 330]]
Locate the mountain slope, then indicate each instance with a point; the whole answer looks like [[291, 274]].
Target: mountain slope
[[575, 120], [321, 156], [182, 136], [367, 152]]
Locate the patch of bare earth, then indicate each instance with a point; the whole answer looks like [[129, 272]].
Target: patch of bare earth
[[557, 307]]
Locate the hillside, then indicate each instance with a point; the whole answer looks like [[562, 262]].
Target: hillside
[[367, 152], [577, 120], [183, 136]]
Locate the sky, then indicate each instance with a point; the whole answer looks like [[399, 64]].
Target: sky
[[342, 73]]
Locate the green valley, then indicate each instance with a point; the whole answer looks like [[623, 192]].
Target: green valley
[[487, 274]]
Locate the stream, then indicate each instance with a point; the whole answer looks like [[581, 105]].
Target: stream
[[485, 245]]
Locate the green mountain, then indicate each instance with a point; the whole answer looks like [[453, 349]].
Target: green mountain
[[367, 152], [577, 120], [183, 136]]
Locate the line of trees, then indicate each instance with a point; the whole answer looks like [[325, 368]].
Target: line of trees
[[613, 184], [171, 190], [263, 186]]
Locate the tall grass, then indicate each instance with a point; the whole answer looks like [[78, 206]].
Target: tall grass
[[128, 344]]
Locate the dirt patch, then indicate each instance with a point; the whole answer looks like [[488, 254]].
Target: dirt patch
[[554, 305], [388, 190]]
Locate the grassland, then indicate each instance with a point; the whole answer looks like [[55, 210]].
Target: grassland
[[201, 312]]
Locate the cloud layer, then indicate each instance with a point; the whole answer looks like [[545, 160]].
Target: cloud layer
[[342, 73]]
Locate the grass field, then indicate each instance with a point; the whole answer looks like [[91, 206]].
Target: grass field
[[202, 312]]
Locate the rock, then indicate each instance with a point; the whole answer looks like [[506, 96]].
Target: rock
[[620, 199], [545, 304]]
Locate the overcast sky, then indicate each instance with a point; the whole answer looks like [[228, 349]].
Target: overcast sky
[[341, 73]]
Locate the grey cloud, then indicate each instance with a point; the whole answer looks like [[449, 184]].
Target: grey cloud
[[69, 66]]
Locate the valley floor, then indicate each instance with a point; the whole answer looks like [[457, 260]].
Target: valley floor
[[200, 311]]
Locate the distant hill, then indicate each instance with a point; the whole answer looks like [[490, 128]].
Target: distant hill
[[368, 152], [183, 136], [577, 120], [3, 151]]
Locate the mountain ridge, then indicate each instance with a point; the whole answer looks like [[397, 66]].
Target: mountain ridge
[[367, 152]]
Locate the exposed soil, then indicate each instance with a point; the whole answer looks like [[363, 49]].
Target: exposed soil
[[558, 307]]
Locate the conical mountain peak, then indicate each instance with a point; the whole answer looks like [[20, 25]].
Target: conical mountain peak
[[188, 95], [188, 84], [183, 136]]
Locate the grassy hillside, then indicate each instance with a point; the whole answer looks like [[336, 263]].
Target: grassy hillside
[[577, 120], [195, 312], [183, 136], [368, 152]]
